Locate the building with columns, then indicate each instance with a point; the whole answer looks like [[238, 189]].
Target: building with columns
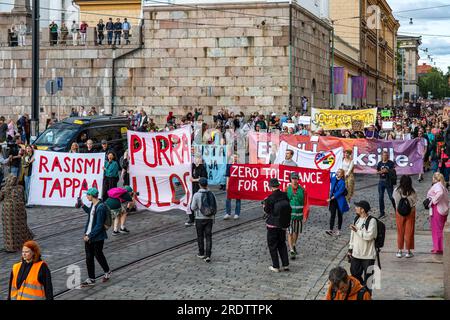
[[365, 41], [409, 52]]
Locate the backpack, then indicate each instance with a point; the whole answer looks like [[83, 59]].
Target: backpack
[[108, 219], [404, 207], [116, 193], [208, 205], [360, 294], [282, 210], [381, 231]]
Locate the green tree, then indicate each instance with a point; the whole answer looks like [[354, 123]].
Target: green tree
[[435, 82]]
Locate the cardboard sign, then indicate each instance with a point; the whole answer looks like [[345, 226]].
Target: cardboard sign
[[387, 125], [304, 120], [386, 113]]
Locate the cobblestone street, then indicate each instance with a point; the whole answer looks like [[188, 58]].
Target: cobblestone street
[[157, 260]]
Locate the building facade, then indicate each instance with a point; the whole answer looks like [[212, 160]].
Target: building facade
[[365, 40], [93, 10], [409, 52]]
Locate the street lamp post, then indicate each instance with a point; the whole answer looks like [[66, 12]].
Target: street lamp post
[[402, 51], [35, 71]]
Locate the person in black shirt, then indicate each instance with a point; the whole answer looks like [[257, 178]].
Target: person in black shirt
[[117, 31], [237, 210], [110, 30], [198, 171], [14, 156], [100, 30], [383, 168]]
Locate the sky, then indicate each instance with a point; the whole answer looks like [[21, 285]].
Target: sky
[[432, 21]]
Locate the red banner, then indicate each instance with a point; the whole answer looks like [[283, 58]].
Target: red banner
[[251, 182]]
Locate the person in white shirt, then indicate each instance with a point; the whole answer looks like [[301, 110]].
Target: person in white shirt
[[22, 30], [347, 165], [74, 31], [362, 251]]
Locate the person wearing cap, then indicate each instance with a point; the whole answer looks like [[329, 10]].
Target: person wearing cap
[[362, 251], [203, 223], [276, 235], [111, 177], [94, 237], [106, 149], [296, 195]]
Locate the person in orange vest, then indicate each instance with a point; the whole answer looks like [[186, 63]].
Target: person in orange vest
[[30, 279], [345, 287]]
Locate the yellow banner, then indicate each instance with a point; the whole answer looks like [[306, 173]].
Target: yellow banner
[[341, 119]]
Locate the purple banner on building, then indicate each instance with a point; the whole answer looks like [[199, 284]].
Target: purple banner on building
[[339, 80], [359, 87]]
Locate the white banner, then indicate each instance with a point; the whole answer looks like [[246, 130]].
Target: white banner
[[328, 160], [58, 179], [304, 120], [158, 162]]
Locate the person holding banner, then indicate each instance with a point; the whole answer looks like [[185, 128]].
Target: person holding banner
[[27, 163], [296, 195], [198, 172], [111, 174], [347, 165], [337, 202], [237, 210]]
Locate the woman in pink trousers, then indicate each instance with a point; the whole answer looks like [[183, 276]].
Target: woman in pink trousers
[[438, 211]]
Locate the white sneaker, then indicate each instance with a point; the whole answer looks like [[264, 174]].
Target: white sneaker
[[399, 254], [226, 217], [409, 255], [337, 233], [236, 217], [274, 269]]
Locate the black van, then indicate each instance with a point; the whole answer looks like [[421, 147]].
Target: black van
[[60, 136]]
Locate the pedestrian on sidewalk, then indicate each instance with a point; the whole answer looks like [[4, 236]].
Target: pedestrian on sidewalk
[[117, 31], [384, 168], [204, 206], [405, 198], [94, 237], [296, 195], [278, 216], [345, 287], [126, 26], [198, 172], [438, 195], [83, 32], [237, 210], [30, 278], [362, 251], [14, 215], [110, 30], [337, 202], [100, 31]]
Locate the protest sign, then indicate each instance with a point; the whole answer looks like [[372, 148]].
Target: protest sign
[[341, 119], [387, 125], [215, 160], [386, 113], [304, 120], [358, 125], [58, 179], [158, 161]]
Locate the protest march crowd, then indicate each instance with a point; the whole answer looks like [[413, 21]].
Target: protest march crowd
[[288, 162]]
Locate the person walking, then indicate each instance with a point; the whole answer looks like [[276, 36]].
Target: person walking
[[110, 30], [362, 251], [278, 215], [296, 195], [14, 215], [100, 31], [117, 31], [204, 206], [405, 198], [126, 26], [288, 159], [347, 165], [198, 172], [237, 210], [337, 202], [74, 29], [438, 195], [83, 32], [344, 287], [111, 174], [383, 169], [94, 238], [64, 33], [30, 278], [120, 201]]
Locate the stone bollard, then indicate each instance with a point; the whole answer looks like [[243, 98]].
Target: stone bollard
[[446, 259]]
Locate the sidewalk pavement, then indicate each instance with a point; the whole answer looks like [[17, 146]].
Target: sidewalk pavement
[[416, 278]]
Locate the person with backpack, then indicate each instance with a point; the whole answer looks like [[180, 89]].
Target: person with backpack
[[278, 217], [120, 201], [94, 237], [362, 250], [337, 201], [204, 206], [345, 287], [386, 170], [405, 198]]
